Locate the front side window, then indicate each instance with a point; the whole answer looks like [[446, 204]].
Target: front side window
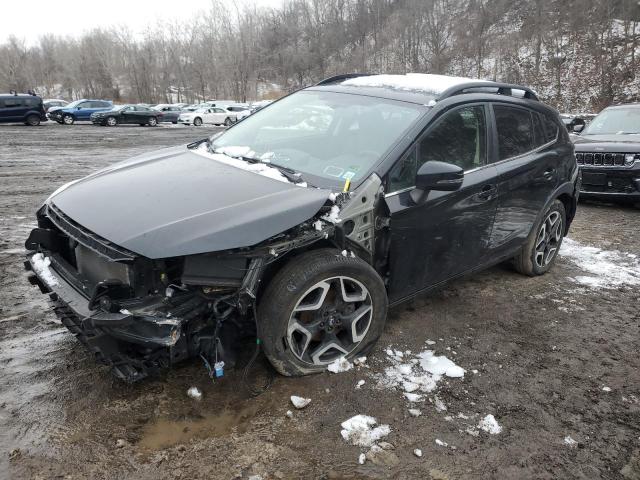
[[328, 135], [515, 131], [459, 138]]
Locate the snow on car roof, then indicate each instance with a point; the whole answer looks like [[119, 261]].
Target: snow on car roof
[[415, 82]]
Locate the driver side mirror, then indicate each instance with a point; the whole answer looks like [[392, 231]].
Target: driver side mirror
[[578, 128], [441, 176]]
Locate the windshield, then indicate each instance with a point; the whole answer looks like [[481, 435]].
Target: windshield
[[615, 121], [74, 103], [331, 135]]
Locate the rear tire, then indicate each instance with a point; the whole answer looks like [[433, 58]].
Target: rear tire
[[68, 120], [33, 120], [197, 121], [342, 307], [543, 244]]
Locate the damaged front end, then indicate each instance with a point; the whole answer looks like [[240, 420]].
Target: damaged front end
[[140, 316]]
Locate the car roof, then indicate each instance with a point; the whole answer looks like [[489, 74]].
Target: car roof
[[420, 88], [21, 95]]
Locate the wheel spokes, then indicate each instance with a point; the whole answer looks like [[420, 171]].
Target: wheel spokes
[[358, 322], [330, 320], [315, 297]]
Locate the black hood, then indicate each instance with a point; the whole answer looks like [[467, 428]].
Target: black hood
[[177, 202], [608, 143]]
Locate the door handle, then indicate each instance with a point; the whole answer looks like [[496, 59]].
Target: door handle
[[549, 172], [487, 192]]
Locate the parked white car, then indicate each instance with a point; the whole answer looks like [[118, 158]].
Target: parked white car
[[211, 116], [241, 111]]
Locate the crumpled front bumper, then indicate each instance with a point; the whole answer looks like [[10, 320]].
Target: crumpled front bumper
[[132, 341]]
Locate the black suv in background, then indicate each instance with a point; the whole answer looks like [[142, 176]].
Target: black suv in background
[[608, 152], [21, 108], [304, 227]]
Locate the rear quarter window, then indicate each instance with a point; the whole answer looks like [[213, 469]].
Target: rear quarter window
[[551, 128]]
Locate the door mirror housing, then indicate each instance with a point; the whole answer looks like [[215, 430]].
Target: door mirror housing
[[440, 176], [578, 128]]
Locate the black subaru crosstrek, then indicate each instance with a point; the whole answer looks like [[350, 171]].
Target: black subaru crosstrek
[[305, 221], [608, 153]]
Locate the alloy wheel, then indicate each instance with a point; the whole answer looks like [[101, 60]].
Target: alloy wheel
[[548, 239], [68, 120], [111, 121], [153, 121], [329, 320]]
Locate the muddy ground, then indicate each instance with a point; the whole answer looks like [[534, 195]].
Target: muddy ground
[[543, 349]]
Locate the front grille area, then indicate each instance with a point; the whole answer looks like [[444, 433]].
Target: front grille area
[[603, 159]]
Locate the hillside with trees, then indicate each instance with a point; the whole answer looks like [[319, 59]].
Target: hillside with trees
[[578, 55]]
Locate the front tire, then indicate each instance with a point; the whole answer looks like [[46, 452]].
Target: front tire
[[227, 122], [319, 307], [153, 121], [111, 122], [543, 244], [197, 121], [68, 120]]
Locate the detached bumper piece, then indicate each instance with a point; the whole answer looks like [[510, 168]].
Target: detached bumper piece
[[141, 338]]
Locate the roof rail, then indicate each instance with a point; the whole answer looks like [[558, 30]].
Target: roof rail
[[502, 89], [344, 76]]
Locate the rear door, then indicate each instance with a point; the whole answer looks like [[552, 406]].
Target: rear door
[[447, 233], [527, 161]]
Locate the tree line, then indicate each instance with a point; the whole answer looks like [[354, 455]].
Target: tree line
[[578, 55]]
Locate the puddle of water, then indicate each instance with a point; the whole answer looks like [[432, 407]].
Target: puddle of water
[[165, 432]]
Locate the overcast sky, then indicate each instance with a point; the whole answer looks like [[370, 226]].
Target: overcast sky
[[72, 17]]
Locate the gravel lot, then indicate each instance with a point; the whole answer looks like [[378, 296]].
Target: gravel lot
[[550, 358]]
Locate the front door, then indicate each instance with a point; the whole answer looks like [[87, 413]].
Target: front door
[[442, 234]]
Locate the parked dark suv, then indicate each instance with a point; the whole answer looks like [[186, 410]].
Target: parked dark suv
[[608, 152], [21, 108], [379, 188]]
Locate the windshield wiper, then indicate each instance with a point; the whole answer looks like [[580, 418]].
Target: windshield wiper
[[197, 143], [288, 173]]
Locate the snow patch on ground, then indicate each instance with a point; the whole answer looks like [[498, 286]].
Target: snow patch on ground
[[41, 265], [300, 402], [490, 425], [605, 268], [570, 441], [361, 430], [340, 365], [418, 374], [195, 393]]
